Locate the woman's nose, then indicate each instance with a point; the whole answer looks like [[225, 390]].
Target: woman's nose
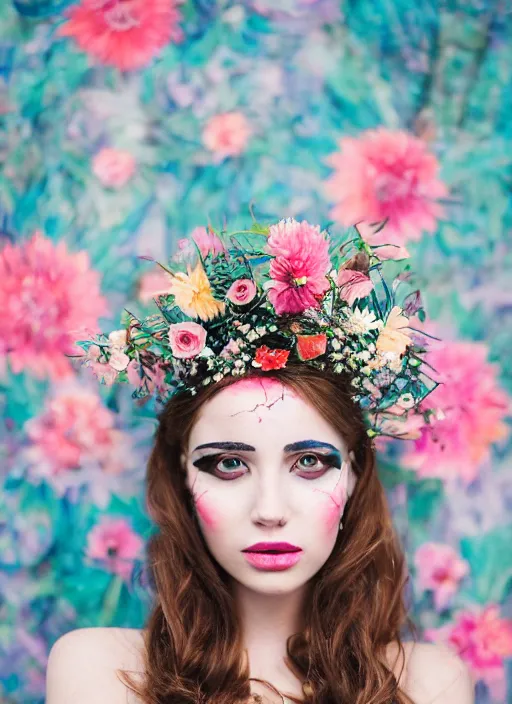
[[270, 505]]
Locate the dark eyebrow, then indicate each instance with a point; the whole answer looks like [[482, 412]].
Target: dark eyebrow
[[292, 447], [308, 445], [236, 446]]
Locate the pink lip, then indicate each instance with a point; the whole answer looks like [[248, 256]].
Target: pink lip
[[274, 547], [273, 562]]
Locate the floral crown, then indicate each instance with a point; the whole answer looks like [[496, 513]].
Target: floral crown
[[265, 298]]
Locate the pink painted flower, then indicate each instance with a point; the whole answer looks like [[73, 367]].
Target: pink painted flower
[[123, 33], [75, 432], [227, 134], [113, 167], [241, 292], [207, 241], [386, 175], [354, 285], [298, 270], [48, 299], [471, 411], [231, 349], [440, 569], [187, 339], [152, 284], [115, 544], [483, 640]]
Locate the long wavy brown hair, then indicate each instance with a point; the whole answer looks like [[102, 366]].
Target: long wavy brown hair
[[354, 607]]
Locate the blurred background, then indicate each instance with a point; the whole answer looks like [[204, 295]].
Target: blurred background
[[128, 125]]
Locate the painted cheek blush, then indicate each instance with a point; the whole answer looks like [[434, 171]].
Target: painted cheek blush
[[331, 516], [206, 513], [335, 505]]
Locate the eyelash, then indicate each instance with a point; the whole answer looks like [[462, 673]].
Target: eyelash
[[209, 464]]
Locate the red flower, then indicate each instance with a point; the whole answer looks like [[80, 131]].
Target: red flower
[[271, 359]]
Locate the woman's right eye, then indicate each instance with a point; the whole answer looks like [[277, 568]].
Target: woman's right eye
[[222, 467]]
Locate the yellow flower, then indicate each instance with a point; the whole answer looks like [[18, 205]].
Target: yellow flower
[[192, 293], [394, 336]]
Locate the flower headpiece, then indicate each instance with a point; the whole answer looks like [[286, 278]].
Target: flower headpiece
[[264, 298]]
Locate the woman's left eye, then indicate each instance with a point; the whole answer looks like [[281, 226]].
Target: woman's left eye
[[311, 464]]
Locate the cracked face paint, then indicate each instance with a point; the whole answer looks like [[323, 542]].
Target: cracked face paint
[[264, 466]]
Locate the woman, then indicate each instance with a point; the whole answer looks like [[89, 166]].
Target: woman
[[278, 574]]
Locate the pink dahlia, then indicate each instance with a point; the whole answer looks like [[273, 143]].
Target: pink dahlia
[[386, 175], [113, 167], [298, 270], [75, 430], [207, 241], [471, 412], [227, 134], [123, 33], [483, 640], [115, 544], [439, 569], [48, 298]]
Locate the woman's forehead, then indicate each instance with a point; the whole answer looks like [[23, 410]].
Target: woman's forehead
[[258, 411]]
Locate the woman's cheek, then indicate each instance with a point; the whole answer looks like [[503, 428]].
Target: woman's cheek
[[207, 513], [334, 506]]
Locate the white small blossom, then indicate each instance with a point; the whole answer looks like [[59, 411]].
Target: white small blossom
[[239, 363], [335, 344], [218, 376], [261, 330], [361, 322], [252, 335], [272, 328], [207, 380], [206, 352]]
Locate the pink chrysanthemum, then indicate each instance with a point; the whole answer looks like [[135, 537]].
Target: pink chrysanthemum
[[114, 543], [123, 33], [385, 174], [483, 640], [298, 270], [48, 298], [473, 409]]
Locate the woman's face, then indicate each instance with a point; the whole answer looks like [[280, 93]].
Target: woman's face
[[265, 467]]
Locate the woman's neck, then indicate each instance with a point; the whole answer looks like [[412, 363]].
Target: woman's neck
[[267, 621]]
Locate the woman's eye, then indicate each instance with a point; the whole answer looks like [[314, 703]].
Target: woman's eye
[[311, 464], [221, 467], [229, 464]]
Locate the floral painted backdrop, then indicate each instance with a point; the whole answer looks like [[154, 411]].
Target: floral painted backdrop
[[127, 126]]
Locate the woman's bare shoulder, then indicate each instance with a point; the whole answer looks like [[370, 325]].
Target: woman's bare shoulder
[[431, 673], [82, 665]]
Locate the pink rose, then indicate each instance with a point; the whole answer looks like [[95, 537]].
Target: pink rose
[[241, 292], [187, 339], [353, 285], [113, 167]]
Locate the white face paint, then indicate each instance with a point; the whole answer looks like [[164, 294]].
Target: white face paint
[[264, 466]]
